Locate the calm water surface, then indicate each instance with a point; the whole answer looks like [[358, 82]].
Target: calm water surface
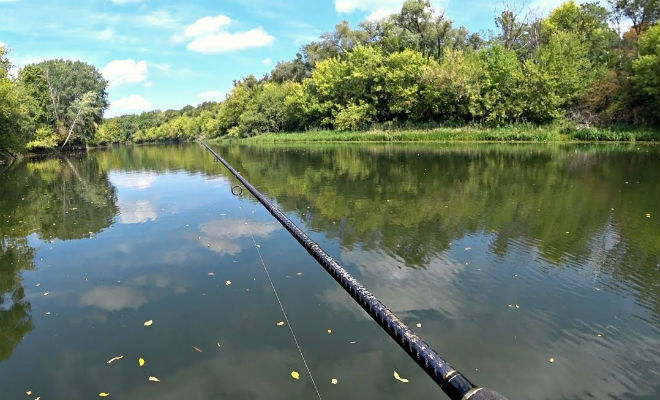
[[506, 256]]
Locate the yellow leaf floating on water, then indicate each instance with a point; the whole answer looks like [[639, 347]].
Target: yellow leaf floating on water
[[141, 362], [29, 392], [113, 359], [227, 283], [104, 394], [153, 379], [148, 323], [329, 330], [334, 381], [399, 378], [418, 325], [280, 323], [295, 375]]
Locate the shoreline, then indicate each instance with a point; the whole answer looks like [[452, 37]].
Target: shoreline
[[462, 135]]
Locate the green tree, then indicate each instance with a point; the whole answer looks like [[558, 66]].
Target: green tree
[[78, 98], [646, 73], [12, 133]]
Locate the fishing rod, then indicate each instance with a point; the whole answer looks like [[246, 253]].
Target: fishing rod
[[452, 382]]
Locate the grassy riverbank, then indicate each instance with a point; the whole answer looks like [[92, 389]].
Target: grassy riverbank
[[472, 134]]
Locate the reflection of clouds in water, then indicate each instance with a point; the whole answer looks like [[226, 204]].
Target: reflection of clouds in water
[[132, 180], [160, 282], [220, 235], [136, 212], [113, 298], [389, 279]]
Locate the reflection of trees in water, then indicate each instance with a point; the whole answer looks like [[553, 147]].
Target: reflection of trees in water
[[15, 318], [413, 202], [55, 198]]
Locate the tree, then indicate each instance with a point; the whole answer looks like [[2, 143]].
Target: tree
[[642, 13], [646, 72], [589, 23], [12, 133], [78, 97]]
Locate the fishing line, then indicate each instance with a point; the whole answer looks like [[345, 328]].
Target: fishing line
[[277, 297]]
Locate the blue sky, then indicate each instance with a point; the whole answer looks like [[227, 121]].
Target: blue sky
[[167, 54]]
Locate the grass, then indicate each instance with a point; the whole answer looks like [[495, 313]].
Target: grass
[[513, 133]]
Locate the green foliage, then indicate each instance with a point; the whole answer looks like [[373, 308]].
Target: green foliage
[[78, 97], [646, 73], [12, 133], [354, 117], [500, 86], [558, 78], [44, 139]]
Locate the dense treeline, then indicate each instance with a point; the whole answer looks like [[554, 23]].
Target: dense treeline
[[413, 68]]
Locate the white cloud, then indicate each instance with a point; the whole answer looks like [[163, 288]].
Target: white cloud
[[224, 41], [378, 9], [148, 84], [211, 95], [267, 61], [125, 1], [118, 72], [106, 34], [207, 25], [161, 18], [3, 44], [210, 35], [130, 104]]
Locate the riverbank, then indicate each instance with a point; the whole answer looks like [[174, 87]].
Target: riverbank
[[467, 134]]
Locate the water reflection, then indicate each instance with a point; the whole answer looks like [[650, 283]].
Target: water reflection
[[505, 255], [221, 235], [55, 198], [113, 298]]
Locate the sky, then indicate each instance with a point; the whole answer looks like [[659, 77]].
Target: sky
[[168, 54]]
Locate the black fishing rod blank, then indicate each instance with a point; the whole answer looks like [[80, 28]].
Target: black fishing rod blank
[[452, 382]]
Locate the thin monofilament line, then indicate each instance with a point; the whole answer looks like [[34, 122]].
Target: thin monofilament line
[[272, 285]]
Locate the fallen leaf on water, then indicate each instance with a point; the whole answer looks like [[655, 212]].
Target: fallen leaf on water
[[197, 349], [258, 246], [468, 248], [29, 392], [211, 274], [295, 375], [148, 323], [280, 323], [46, 293], [104, 394], [551, 360], [648, 215], [141, 362], [153, 379], [399, 378], [299, 273], [218, 344], [418, 325], [329, 330], [227, 283], [334, 381], [113, 359], [352, 342]]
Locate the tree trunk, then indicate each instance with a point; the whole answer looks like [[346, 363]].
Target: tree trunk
[[72, 126]]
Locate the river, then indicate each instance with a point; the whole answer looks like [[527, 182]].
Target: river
[[533, 269]]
